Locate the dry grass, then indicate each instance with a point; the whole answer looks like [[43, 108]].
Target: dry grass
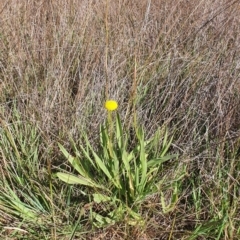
[[177, 60]]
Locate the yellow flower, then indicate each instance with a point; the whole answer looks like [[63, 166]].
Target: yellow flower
[[111, 105]]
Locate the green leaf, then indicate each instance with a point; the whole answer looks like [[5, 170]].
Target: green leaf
[[174, 199], [102, 166], [74, 161], [166, 144], [71, 179], [119, 133], [101, 220], [115, 169], [104, 141], [98, 198], [17, 204], [25, 211], [143, 159], [87, 155], [126, 158], [159, 161]]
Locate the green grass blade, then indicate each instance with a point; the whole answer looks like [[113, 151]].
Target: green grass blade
[[159, 161], [166, 144]]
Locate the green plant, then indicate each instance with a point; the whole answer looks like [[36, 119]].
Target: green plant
[[119, 174], [21, 195]]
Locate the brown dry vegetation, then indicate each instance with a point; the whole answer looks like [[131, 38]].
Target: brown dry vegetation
[[179, 61]]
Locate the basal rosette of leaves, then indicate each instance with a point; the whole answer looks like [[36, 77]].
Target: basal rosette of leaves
[[120, 175]]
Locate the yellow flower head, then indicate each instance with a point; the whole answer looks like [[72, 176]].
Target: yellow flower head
[[111, 105]]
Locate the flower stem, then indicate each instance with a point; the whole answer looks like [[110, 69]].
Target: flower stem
[[110, 131]]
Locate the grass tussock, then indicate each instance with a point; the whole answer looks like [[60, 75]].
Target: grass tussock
[[173, 64]]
